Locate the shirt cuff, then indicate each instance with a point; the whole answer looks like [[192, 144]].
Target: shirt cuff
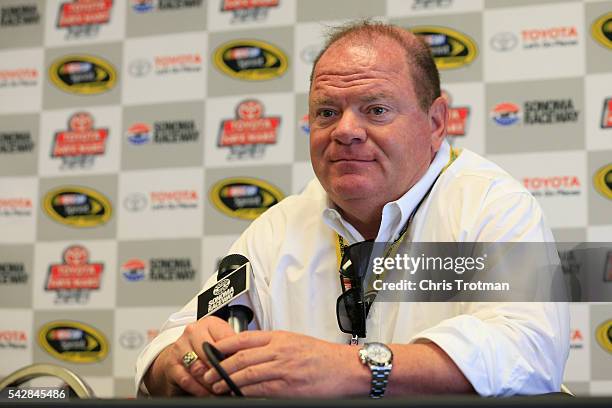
[[489, 363], [150, 353]]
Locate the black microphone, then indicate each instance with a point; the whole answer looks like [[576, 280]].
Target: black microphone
[[238, 316], [234, 296], [231, 298], [229, 264]]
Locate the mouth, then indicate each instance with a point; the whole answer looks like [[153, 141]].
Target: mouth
[[351, 160], [351, 165]]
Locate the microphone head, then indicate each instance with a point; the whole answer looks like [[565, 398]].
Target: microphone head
[[229, 264]]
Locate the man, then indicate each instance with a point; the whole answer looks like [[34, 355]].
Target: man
[[377, 146]]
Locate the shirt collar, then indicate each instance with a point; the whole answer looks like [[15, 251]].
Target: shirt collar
[[395, 213]]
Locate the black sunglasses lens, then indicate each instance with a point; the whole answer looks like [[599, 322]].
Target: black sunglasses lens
[[355, 259], [350, 313], [343, 314]]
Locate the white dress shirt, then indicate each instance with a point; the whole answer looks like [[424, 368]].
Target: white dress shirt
[[501, 348]]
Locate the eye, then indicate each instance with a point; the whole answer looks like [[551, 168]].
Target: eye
[[378, 110], [326, 113]]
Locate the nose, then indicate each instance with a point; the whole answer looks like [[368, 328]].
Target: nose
[[349, 129]]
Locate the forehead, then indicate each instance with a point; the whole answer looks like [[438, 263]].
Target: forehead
[[378, 67]]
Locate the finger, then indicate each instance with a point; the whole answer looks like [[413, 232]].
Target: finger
[[197, 368], [240, 361], [242, 341], [196, 371], [219, 329], [195, 335], [209, 329], [251, 375], [184, 380]]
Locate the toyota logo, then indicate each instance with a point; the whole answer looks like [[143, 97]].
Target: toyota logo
[[221, 286], [139, 67], [131, 339], [505, 41], [135, 202]]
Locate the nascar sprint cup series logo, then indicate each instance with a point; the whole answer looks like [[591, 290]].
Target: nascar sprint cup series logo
[[251, 60], [243, 197], [83, 74], [603, 181], [77, 207], [601, 30], [450, 49], [603, 334], [73, 342]]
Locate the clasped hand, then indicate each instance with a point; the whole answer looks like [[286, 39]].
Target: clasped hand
[[261, 363], [281, 364]]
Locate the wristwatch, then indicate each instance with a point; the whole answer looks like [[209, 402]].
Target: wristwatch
[[378, 358]]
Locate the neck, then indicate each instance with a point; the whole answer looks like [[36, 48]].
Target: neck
[[365, 220], [366, 216]]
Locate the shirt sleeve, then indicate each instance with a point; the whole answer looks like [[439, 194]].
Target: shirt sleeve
[[507, 348], [173, 328]]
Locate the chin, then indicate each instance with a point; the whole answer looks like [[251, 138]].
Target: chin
[[347, 189]]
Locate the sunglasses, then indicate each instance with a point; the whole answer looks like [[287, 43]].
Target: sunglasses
[[351, 308]]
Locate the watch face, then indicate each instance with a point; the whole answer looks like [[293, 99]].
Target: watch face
[[379, 353]]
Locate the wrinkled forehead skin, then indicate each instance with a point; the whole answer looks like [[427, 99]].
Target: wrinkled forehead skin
[[352, 62], [363, 46]]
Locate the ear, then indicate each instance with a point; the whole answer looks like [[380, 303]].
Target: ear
[[438, 120]]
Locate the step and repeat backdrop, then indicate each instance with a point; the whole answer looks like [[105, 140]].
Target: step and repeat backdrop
[[139, 138]]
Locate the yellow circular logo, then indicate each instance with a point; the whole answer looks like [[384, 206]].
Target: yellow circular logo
[[450, 48], [82, 74], [251, 60], [603, 334], [74, 342], [244, 197], [602, 180], [601, 30], [77, 207]]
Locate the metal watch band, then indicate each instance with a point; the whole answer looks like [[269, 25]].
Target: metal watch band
[[380, 379]]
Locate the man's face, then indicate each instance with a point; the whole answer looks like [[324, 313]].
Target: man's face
[[369, 140]]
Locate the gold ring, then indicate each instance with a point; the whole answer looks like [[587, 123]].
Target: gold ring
[[189, 358]]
